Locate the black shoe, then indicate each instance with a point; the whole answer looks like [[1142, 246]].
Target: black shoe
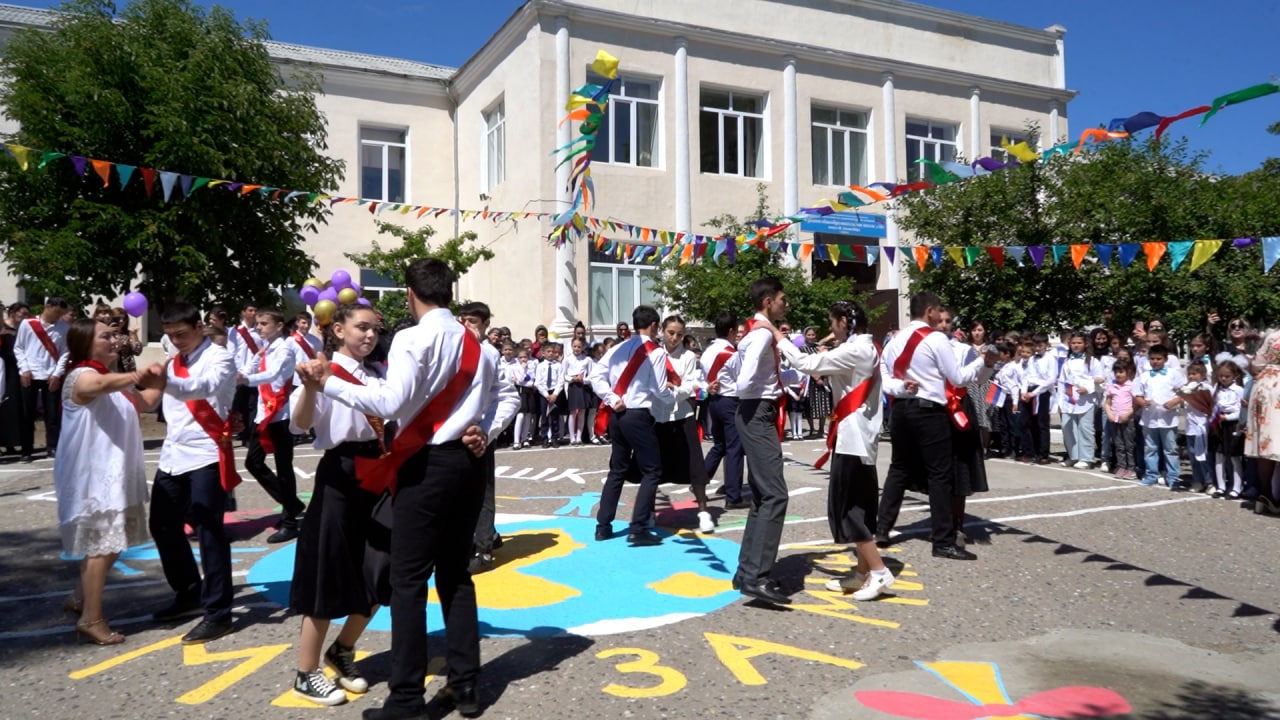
[[882, 540], [480, 562], [497, 541], [736, 583], [288, 531], [27, 459], [739, 505], [230, 505], [207, 630], [603, 533], [391, 712], [343, 662], [765, 591], [952, 552], [180, 609], [315, 687], [644, 538], [462, 696], [51, 453]]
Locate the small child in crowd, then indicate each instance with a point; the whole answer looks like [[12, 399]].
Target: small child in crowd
[[1156, 393], [1119, 408], [1197, 427], [1226, 438]]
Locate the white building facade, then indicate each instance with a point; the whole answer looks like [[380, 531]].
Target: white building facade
[[716, 97]]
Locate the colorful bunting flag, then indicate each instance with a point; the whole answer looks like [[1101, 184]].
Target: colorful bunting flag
[[1178, 252], [1059, 251], [957, 255], [997, 255], [1078, 252], [1154, 251], [1017, 252], [1204, 250], [1037, 255], [103, 168], [935, 253], [1104, 254], [1270, 252], [922, 256], [1128, 251]]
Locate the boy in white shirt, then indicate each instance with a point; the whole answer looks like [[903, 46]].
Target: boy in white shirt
[[1041, 372], [1156, 393], [550, 383]]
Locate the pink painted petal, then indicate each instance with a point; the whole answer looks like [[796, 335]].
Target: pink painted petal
[[918, 707], [1074, 702]]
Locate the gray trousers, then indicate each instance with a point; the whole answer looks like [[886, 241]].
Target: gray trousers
[[758, 431]]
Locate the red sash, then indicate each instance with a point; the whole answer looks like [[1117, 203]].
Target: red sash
[[904, 360], [601, 426], [718, 364], [848, 405], [306, 347], [272, 402], [219, 430], [777, 369], [248, 339], [375, 422], [955, 396], [377, 475], [42, 335], [102, 369]]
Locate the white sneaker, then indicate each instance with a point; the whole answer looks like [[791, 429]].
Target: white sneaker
[[1105, 467], [876, 583], [847, 584], [1082, 465], [705, 523]]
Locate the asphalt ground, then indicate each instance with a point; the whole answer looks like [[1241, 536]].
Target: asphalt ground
[[1140, 602]]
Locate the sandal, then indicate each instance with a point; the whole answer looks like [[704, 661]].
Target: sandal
[[109, 638]]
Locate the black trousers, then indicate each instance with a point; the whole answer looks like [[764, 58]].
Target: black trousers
[[1035, 428], [281, 485], [725, 445], [245, 402], [552, 412], [39, 391], [194, 498], [757, 424], [486, 533], [634, 441], [436, 503], [921, 440]]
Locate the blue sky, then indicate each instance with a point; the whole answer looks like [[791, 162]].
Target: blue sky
[[1160, 55]]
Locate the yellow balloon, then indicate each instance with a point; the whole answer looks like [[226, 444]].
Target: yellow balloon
[[324, 311], [348, 296], [316, 283]]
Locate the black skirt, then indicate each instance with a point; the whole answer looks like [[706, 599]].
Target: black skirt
[[853, 499], [529, 400], [328, 569], [682, 460], [970, 470], [1225, 439], [579, 396]]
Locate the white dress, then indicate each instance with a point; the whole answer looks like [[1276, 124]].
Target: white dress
[[98, 474]]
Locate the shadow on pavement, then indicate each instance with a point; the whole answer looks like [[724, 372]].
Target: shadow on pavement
[[1197, 700]]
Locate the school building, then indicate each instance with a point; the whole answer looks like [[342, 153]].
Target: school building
[[716, 97]]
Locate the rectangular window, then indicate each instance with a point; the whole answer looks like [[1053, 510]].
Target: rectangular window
[[616, 288], [495, 147], [629, 130], [383, 157], [998, 152], [931, 141], [839, 147], [731, 129]]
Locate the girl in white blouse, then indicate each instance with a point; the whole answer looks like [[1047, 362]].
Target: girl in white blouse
[[329, 579], [675, 426], [576, 369]]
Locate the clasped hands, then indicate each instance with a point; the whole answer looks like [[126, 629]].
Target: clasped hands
[[152, 377], [314, 373]]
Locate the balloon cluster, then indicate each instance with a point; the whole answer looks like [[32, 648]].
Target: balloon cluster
[[324, 296]]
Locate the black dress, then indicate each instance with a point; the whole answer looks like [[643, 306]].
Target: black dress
[[11, 403], [853, 499], [970, 469], [682, 460]]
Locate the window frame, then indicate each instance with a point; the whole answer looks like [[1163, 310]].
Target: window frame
[[490, 132], [638, 270], [914, 172], [999, 153], [618, 97], [385, 145], [863, 174], [740, 115]]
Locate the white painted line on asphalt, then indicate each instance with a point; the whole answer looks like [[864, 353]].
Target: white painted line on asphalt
[[302, 473], [1088, 511], [1011, 498], [61, 593], [789, 522], [803, 491]]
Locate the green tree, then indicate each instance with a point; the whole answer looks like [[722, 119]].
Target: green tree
[[393, 262], [168, 85], [709, 287]]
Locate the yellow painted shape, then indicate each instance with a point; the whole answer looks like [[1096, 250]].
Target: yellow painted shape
[[691, 585], [254, 658], [289, 700], [506, 588], [900, 584], [974, 678], [838, 608], [120, 659], [908, 573], [671, 680], [820, 547], [841, 559], [903, 601], [735, 653]]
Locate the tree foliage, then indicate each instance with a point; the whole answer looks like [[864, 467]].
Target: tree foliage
[[170, 85], [393, 262], [1128, 191], [703, 290]]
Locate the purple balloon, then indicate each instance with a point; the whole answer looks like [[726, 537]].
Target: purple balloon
[[310, 295], [359, 290], [135, 303], [330, 294], [798, 340], [341, 279], [365, 302]]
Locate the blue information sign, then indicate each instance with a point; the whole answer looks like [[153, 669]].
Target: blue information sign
[[846, 223]]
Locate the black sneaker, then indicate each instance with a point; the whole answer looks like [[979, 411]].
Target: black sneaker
[[343, 662], [207, 630], [288, 531], [180, 609], [481, 562], [314, 686]]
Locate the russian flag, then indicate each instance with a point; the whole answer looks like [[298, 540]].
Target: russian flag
[[996, 395]]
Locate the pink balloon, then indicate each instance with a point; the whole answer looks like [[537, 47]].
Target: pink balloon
[[135, 303]]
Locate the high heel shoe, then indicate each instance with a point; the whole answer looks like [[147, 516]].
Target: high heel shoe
[[111, 637]]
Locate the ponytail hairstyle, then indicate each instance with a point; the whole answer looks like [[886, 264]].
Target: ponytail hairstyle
[[853, 313]]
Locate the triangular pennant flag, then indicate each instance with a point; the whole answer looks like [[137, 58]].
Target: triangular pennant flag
[[202, 181], [1204, 250], [126, 173], [605, 65], [78, 162], [833, 253], [873, 254], [103, 168], [922, 256], [1058, 252], [686, 254], [890, 251], [148, 179], [935, 253], [820, 253], [1178, 252], [805, 251], [22, 154], [1128, 251], [956, 254], [1104, 254], [997, 255], [167, 181], [718, 251], [971, 255], [186, 182], [48, 157], [1017, 252], [1154, 251], [859, 252], [1078, 251], [1037, 255], [1270, 252], [794, 249]]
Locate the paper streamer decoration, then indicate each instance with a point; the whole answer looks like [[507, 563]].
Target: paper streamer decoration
[[1252, 92], [587, 104]]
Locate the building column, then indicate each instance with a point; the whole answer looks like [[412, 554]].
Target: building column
[[889, 119], [684, 201], [790, 151], [1054, 136], [974, 151], [566, 282]]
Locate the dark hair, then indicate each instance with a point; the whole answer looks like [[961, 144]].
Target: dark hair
[[55, 301], [477, 310], [765, 287], [180, 314], [726, 322], [272, 314], [431, 281], [214, 331], [1006, 347], [302, 316], [1209, 342], [921, 302], [344, 312], [508, 344], [80, 340], [850, 311], [217, 312], [1125, 365], [15, 307], [1198, 366], [672, 319], [249, 305], [1039, 337], [1236, 372], [1158, 349], [1078, 334], [643, 317]]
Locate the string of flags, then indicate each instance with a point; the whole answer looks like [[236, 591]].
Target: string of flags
[[587, 104]]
